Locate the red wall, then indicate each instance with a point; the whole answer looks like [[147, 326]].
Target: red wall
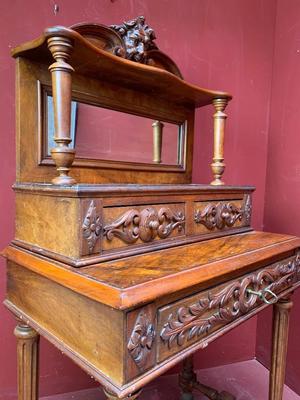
[[219, 44], [282, 211]]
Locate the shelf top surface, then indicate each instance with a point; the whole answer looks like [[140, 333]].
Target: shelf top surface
[[90, 60], [144, 278]]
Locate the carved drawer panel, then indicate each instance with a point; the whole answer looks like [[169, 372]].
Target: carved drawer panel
[[210, 216], [124, 226], [185, 322]]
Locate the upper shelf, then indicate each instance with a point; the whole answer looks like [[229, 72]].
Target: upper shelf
[[122, 54]]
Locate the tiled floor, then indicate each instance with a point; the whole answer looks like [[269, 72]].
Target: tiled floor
[[247, 380]]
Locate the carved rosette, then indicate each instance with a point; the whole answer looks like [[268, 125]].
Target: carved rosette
[[141, 339], [138, 38], [145, 225], [91, 227], [222, 215], [199, 318]]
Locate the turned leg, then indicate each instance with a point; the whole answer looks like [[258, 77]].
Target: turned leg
[[188, 383], [281, 316], [27, 353], [111, 396]]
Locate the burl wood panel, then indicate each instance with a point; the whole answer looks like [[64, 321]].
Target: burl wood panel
[[187, 321], [141, 279], [50, 223], [91, 330]]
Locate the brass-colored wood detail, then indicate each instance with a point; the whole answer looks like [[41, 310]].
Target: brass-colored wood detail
[[145, 225], [218, 165], [141, 339], [138, 38], [91, 227], [219, 215], [188, 383], [191, 321], [157, 141], [62, 154], [27, 353], [112, 396], [281, 316]]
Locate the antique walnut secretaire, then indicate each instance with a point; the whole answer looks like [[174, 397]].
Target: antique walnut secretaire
[[119, 260]]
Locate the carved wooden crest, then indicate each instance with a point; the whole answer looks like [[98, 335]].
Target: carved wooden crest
[[138, 38], [141, 339]]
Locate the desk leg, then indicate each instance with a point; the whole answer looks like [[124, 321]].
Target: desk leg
[[27, 353], [111, 396], [281, 316]]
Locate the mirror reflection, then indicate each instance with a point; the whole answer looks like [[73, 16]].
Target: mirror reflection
[[104, 134]]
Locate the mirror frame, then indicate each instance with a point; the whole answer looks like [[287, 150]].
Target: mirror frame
[[44, 158]]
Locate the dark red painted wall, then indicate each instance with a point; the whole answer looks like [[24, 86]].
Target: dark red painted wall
[[282, 211], [219, 44]]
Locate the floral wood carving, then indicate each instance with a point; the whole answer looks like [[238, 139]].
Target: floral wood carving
[[91, 226], [145, 225], [138, 38], [247, 209], [199, 318], [223, 215], [141, 339]]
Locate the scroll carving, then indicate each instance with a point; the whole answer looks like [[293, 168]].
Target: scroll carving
[[214, 309], [222, 215], [141, 339], [138, 38], [91, 227], [145, 225]]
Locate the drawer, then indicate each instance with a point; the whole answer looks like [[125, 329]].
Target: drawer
[[189, 320], [211, 216], [141, 225]]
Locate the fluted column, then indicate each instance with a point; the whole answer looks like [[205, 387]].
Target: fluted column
[[27, 353], [281, 317]]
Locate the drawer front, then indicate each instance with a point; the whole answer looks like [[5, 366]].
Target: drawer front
[[187, 321], [141, 225], [212, 216]]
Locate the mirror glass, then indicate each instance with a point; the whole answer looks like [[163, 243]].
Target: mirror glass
[[104, 134]]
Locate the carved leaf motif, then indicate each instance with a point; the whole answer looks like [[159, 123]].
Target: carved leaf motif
[[223, 215], [145, 225], [91, 226], [138, 38], [141, 339], [231, 302]]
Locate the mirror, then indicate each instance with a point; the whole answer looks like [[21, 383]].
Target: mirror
[[104, 134]]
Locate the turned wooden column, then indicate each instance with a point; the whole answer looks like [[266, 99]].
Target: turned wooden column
[[27, 353], [218, 165], [61, 73], [157, 141], [111, 396], [281, 316]]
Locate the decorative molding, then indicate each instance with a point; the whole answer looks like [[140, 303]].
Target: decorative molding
[[214, 309], [91, 227], [222, 215], [141, 339], [247, 209], [145, 225], [138, 38]]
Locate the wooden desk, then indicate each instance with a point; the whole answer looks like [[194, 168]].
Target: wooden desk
[[133, 268], [127, 321]]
